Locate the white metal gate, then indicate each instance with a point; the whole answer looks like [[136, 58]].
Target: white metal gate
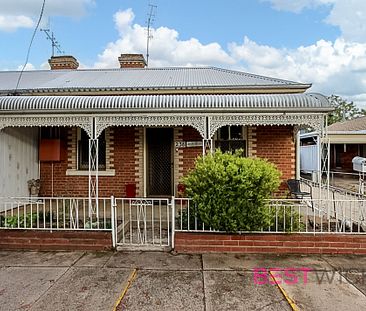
[[142, 222]]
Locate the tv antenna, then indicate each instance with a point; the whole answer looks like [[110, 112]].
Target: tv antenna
[[150, 21], [55, 45]]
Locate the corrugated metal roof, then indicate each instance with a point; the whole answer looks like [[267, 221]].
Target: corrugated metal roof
[[151, 103], [147, 78], [358, 124]]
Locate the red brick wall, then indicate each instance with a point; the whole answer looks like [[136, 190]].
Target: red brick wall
[[57, 240], [270, 243], [276, 143], [273, 142], [190, 154], [346, 157], [124, 164]]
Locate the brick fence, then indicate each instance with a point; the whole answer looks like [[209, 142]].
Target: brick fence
[[270, 243], [57, 240]]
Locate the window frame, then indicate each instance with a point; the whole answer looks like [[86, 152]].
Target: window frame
[[244, 135], [79, 166], [50, 132]]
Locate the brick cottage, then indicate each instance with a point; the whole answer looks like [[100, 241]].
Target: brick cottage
[[135, 131]]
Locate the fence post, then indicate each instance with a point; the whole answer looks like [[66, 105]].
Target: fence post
[[173, 220], [113, 219]]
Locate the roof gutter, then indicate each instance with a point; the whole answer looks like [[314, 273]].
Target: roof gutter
[[253, 89], [205, 111]]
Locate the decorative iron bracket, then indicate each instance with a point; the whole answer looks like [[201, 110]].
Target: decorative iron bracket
[[314, 120], [196, 121], [85, 122]]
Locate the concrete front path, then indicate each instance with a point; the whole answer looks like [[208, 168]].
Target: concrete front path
[[163, 281]]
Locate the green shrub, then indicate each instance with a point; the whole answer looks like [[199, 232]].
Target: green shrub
[[288, 219], [229, 191], [98, 225], [20, 221], [183, 219]]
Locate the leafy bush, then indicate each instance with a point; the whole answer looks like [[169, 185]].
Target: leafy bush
[[288, 219], [26, 221], [98, 225], [229, 191], [183, 219], [20, 221]]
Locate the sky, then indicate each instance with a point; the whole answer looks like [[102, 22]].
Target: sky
[[322, 42]]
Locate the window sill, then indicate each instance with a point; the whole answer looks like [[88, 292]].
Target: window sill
[[71, 172]]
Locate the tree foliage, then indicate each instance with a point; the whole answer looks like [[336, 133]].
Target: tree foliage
[[343, 110], [229, 192]]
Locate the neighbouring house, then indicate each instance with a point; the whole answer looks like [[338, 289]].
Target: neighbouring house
[[135, 131], [347, 139]]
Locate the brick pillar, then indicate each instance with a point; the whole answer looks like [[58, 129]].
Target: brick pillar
[[190, 154], [252, 141], [139, 161], [109, 156], [178, 158], [72, 148]]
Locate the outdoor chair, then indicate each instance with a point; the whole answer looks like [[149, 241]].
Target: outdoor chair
[[295, 190]]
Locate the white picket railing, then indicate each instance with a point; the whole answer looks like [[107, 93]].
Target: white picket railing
[[291, 216], [55, 213], [153, 221]]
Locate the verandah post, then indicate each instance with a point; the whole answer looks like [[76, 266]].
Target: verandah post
[[207, 141], [93, 172], [173, 220], [113, 220]]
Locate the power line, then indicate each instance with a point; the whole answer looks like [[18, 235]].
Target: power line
[[30, 44]]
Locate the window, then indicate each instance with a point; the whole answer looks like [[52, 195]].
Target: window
[[50, 132], [231, 138], [83, 151]]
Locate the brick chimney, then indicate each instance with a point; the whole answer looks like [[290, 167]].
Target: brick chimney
[[132, 61], [63, 62]]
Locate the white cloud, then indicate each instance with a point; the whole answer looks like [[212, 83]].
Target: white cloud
[[337, 67], [360, 100], [45, 66], [123, 20], [11, 23], [348, 15], [28, 66], [333, 67], [166, 48], [257, 55], [23, 13], [297, 6], [52, 7]]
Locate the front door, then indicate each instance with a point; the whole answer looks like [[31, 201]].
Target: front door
[[159, 161]]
